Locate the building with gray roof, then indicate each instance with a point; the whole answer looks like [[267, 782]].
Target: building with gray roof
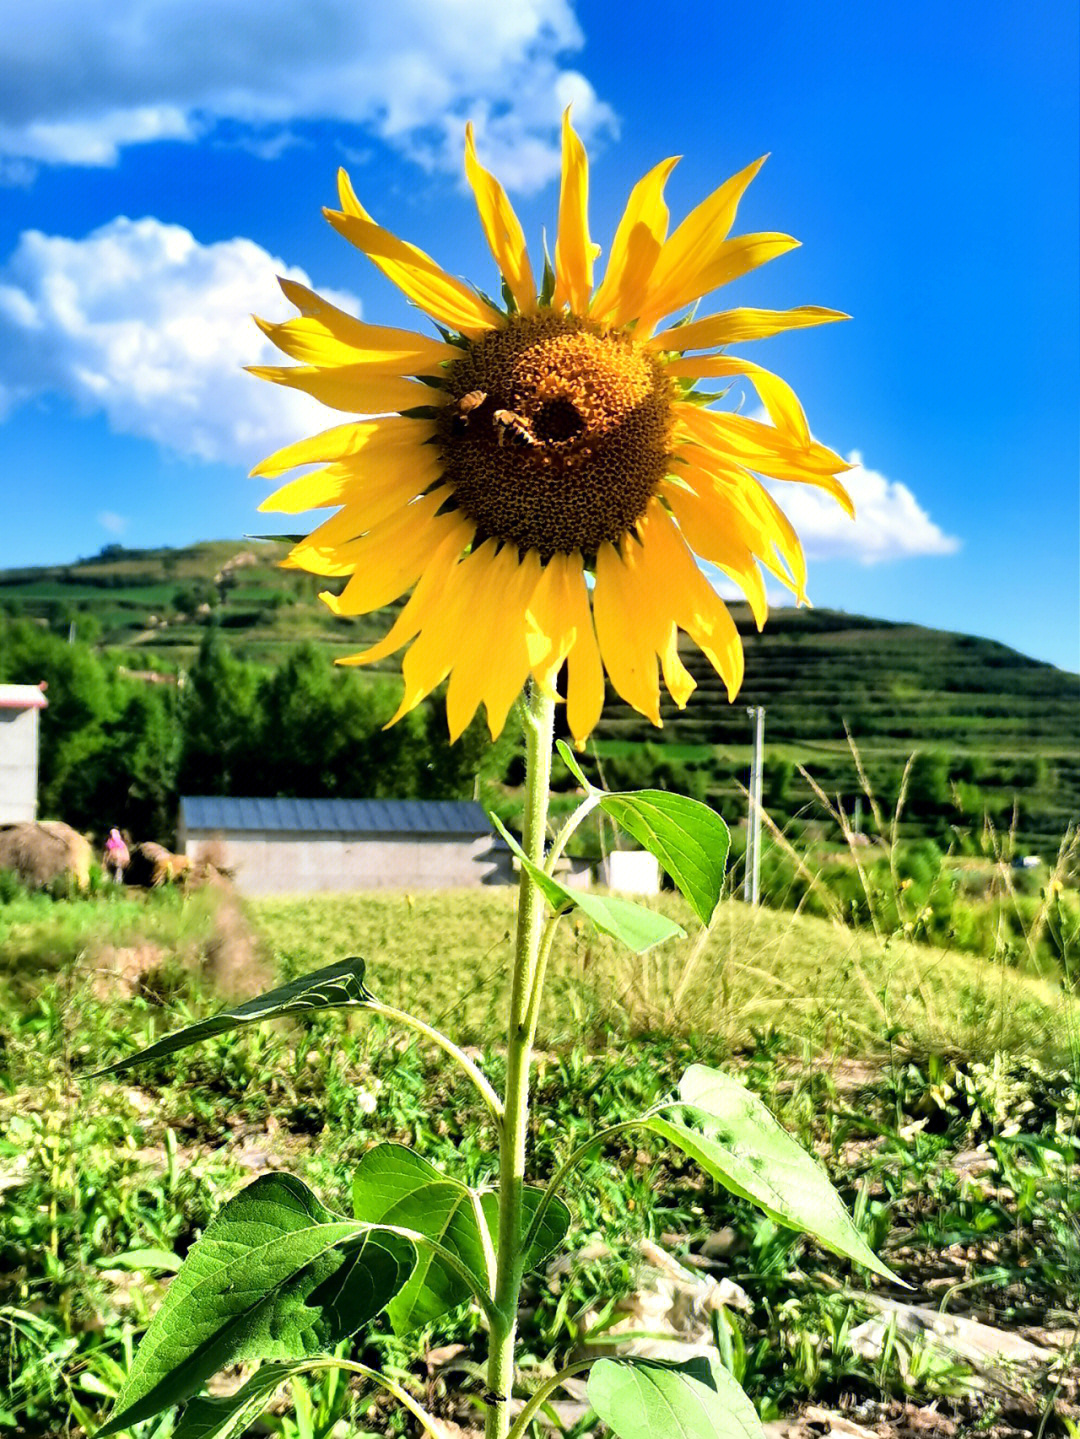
[[300, 846]]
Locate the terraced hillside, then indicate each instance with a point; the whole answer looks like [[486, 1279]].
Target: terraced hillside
[[995, 730], [991, 726]]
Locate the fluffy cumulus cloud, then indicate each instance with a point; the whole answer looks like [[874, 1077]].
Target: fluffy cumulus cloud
[[81, 84], [889, 524], [142, 322]]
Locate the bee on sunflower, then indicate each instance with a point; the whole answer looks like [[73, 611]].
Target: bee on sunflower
[[544, 477]]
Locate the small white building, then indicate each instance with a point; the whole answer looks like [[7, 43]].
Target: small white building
[[300, 846], [631, 871], [19, 709]]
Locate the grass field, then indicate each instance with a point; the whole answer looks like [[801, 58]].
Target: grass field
[[940, 1090]]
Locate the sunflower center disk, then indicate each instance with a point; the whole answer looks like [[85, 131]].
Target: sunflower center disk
[[555, 434]]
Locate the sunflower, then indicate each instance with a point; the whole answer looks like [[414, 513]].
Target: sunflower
[[544, 475]]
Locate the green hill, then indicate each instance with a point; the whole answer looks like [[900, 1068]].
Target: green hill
[[996, 731]]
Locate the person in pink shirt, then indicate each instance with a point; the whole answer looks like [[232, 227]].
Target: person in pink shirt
[[116, 856]]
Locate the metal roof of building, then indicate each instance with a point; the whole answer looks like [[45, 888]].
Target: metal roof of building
[[335, 816]]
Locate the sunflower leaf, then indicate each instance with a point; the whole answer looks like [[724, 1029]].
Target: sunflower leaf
[[547, 284], [569, 759], [337, 986], [648, 1399], [275, 1276], [393, 1185], [689, 839], [230, 1415], [727, 1130], [632, 924]]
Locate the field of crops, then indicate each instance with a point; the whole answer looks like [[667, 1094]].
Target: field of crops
[[939, 1089]]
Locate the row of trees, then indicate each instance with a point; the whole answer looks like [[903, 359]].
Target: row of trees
[[117, 750]]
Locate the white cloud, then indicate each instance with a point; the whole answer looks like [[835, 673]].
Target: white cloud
[[114, 523], [142, 322], [889, 523], [81, 83]]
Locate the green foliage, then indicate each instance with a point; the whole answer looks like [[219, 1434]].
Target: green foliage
[[119, 1189], [337, 986], [276, 1275], [1005, 722], [117, 749], [640, 929], [728, 1131], [645, 1399], [688, 838], [230, 1415]]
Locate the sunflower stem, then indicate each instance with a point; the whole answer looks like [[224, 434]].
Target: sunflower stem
[[509, 1263]]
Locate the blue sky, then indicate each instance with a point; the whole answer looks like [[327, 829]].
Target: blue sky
[[162, 160]]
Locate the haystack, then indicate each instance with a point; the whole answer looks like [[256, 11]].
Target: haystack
[[41, 853]]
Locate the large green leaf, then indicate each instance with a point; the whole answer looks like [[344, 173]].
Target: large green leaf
[[731, 1134], [553, 1226], [337, 986], [646, 1399], [632, 924], [393, 1185], [689, 839], [275, 1276], [230, 1415]]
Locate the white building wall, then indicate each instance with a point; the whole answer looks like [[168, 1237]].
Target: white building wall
[[264, 862], [18, 765], [632, 871]]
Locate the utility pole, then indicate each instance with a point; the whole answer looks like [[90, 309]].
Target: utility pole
[[751, 883]]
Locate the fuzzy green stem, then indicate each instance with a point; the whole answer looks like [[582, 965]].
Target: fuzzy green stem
[[532, 1012], [427, 1421], [539, 719], [536, 1402], [399, 1016], [584, 809]]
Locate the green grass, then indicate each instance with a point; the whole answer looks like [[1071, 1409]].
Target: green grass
[[891, 1059], [823, 986]]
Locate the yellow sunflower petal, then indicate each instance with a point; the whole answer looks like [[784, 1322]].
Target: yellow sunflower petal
[[731, 326], [430, 657], [730, 260], [560, 611], [689, 254], [552, 622], [680, 683], [765, 449], [501, 228], [506, 681], [368, 436], [319, 340], [358, 333], [638, 241], [375, 482], [426, 598], [392, 556], [348, 387], [621, 625], [438, 294], [493, 669], [342, 543], [752, 510], [574, 252], [776, 394], [696, 606], [718, 532]]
